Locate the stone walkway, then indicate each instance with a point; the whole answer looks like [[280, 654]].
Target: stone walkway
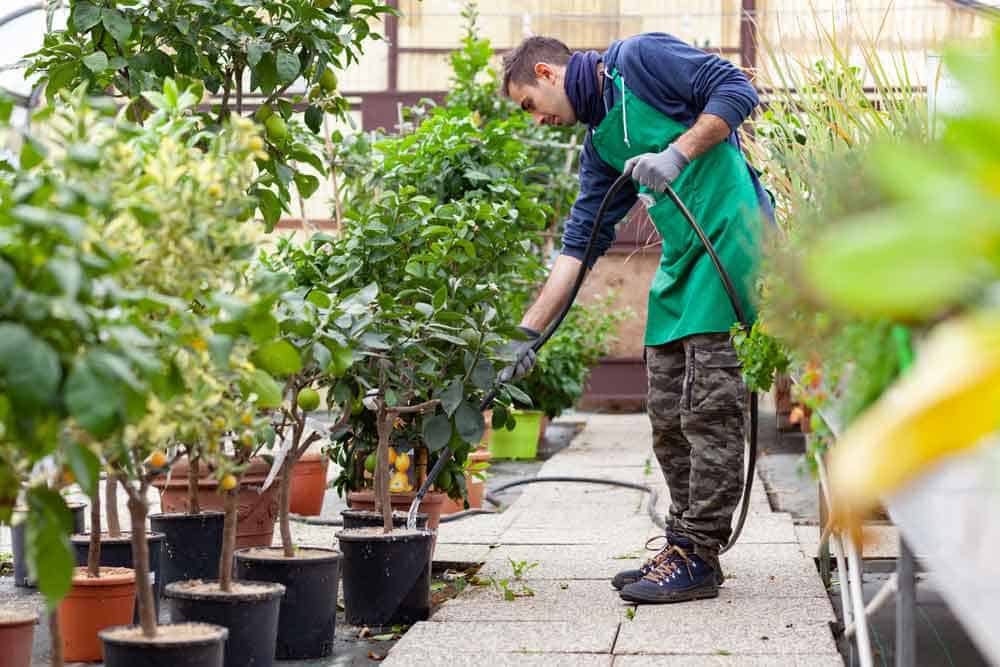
[[574, 537]]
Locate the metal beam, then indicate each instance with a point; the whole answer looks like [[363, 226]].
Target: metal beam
[[748, 35]]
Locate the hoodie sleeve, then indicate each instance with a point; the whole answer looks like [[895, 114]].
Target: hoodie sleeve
[[667, 73], [596, 177]]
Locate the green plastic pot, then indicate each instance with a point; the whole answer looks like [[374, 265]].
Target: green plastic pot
[[522, 442]]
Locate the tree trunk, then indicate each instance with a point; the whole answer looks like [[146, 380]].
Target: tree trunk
[[111, 505], [286, 501], [55, 633], [229, 538], [94, 549], [194, 470], [382, 499], [140, 561]]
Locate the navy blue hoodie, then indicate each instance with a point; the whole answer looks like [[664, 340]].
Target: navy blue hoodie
[[677, 79]]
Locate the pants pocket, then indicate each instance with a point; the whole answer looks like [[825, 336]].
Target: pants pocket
[[717, 385]]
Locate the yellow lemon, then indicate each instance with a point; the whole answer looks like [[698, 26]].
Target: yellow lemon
[[402, 463]]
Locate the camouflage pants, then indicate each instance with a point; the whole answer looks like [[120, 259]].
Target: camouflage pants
[[697, 406]]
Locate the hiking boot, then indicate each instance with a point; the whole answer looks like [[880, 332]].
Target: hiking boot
[[680, 576], [626, 577]]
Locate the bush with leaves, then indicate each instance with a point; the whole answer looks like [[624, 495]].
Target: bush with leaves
[[233, 49]]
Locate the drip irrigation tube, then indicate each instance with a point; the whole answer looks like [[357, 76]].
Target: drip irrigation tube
[[589, 258]]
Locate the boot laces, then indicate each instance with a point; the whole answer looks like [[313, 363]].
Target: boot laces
[[671, 560], [661, 551]]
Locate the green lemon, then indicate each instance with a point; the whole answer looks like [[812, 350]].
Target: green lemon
[[370, 461], [328, 80], [308, 399], [277, 131], [263, 113], [357, 407], [322, 4]]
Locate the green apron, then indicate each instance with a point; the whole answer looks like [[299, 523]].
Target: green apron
[[687, 296]]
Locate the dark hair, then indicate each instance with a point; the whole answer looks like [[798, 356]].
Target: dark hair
[[519, 64]]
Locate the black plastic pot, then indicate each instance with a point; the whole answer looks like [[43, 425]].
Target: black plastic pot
[[166, 651], [372, 519], [192, 544], [309, 607], [250, 617], [386, 578], [19, 544], [117, 552]]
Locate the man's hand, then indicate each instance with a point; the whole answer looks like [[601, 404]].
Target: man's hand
[[658, 170], [524, 357]]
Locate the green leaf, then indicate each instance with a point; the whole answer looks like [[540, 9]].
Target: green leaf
[[440, 297], [96, 62], [30, 367], [287, 66], [483, 375], [307, 184], [470, 423], [264, 386], [451, 397], [255, 51], [85, 16], [279, 358], [33, 152], [436, 431], [518, 395], [60, 77], [50, 557], [262, 327], [219, 348], [116, 24], [499, 416], [85, 465], [270, 208], [226, 32], [314, 118], [93, 399]]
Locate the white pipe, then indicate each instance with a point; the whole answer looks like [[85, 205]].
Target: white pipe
[[838, 549], [887, 591], [864, 642]]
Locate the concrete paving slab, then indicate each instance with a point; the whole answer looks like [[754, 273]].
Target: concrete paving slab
[[551, 601], [728, 660], [461, 553], [558, 562], [579, 636], [739, 626], [452, 659], [768, 529]]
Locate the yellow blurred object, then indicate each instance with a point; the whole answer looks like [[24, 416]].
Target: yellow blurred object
[[948, 402], [402, 463], [392, 456], [398, 483]]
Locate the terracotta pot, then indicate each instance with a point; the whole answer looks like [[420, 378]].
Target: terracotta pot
[[431, 504], [309, 484], [257, 511], [93, 605], [17, 629], [475, 487]]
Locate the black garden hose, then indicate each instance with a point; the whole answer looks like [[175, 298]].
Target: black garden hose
[[589, 258]]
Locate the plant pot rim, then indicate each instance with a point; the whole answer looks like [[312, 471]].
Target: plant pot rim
[[15, 617], [332, 556], [126, 536], [432, 497], [268, 591], [180, 516], [365, 535], [215, 633], [110, 576]]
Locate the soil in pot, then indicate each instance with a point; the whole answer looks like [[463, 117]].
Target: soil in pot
[[371, 519], [17, 629], [249, 611], [309, 606], [386, 577], [19, 543], [117, 552], [309, 484], [177, 645], [256, 512], [192, 544], [93, 604]]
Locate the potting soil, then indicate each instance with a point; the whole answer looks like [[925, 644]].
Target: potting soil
[[276, 553], [166, 634]]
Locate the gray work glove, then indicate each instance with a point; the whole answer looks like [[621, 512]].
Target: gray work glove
[[658, 170], [524, 357]]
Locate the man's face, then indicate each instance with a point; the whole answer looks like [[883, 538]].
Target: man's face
[[546, 100]]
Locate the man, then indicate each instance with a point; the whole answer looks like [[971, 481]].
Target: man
[[669, 112]]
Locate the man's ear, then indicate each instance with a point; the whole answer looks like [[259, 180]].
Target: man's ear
[[545, 72]]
